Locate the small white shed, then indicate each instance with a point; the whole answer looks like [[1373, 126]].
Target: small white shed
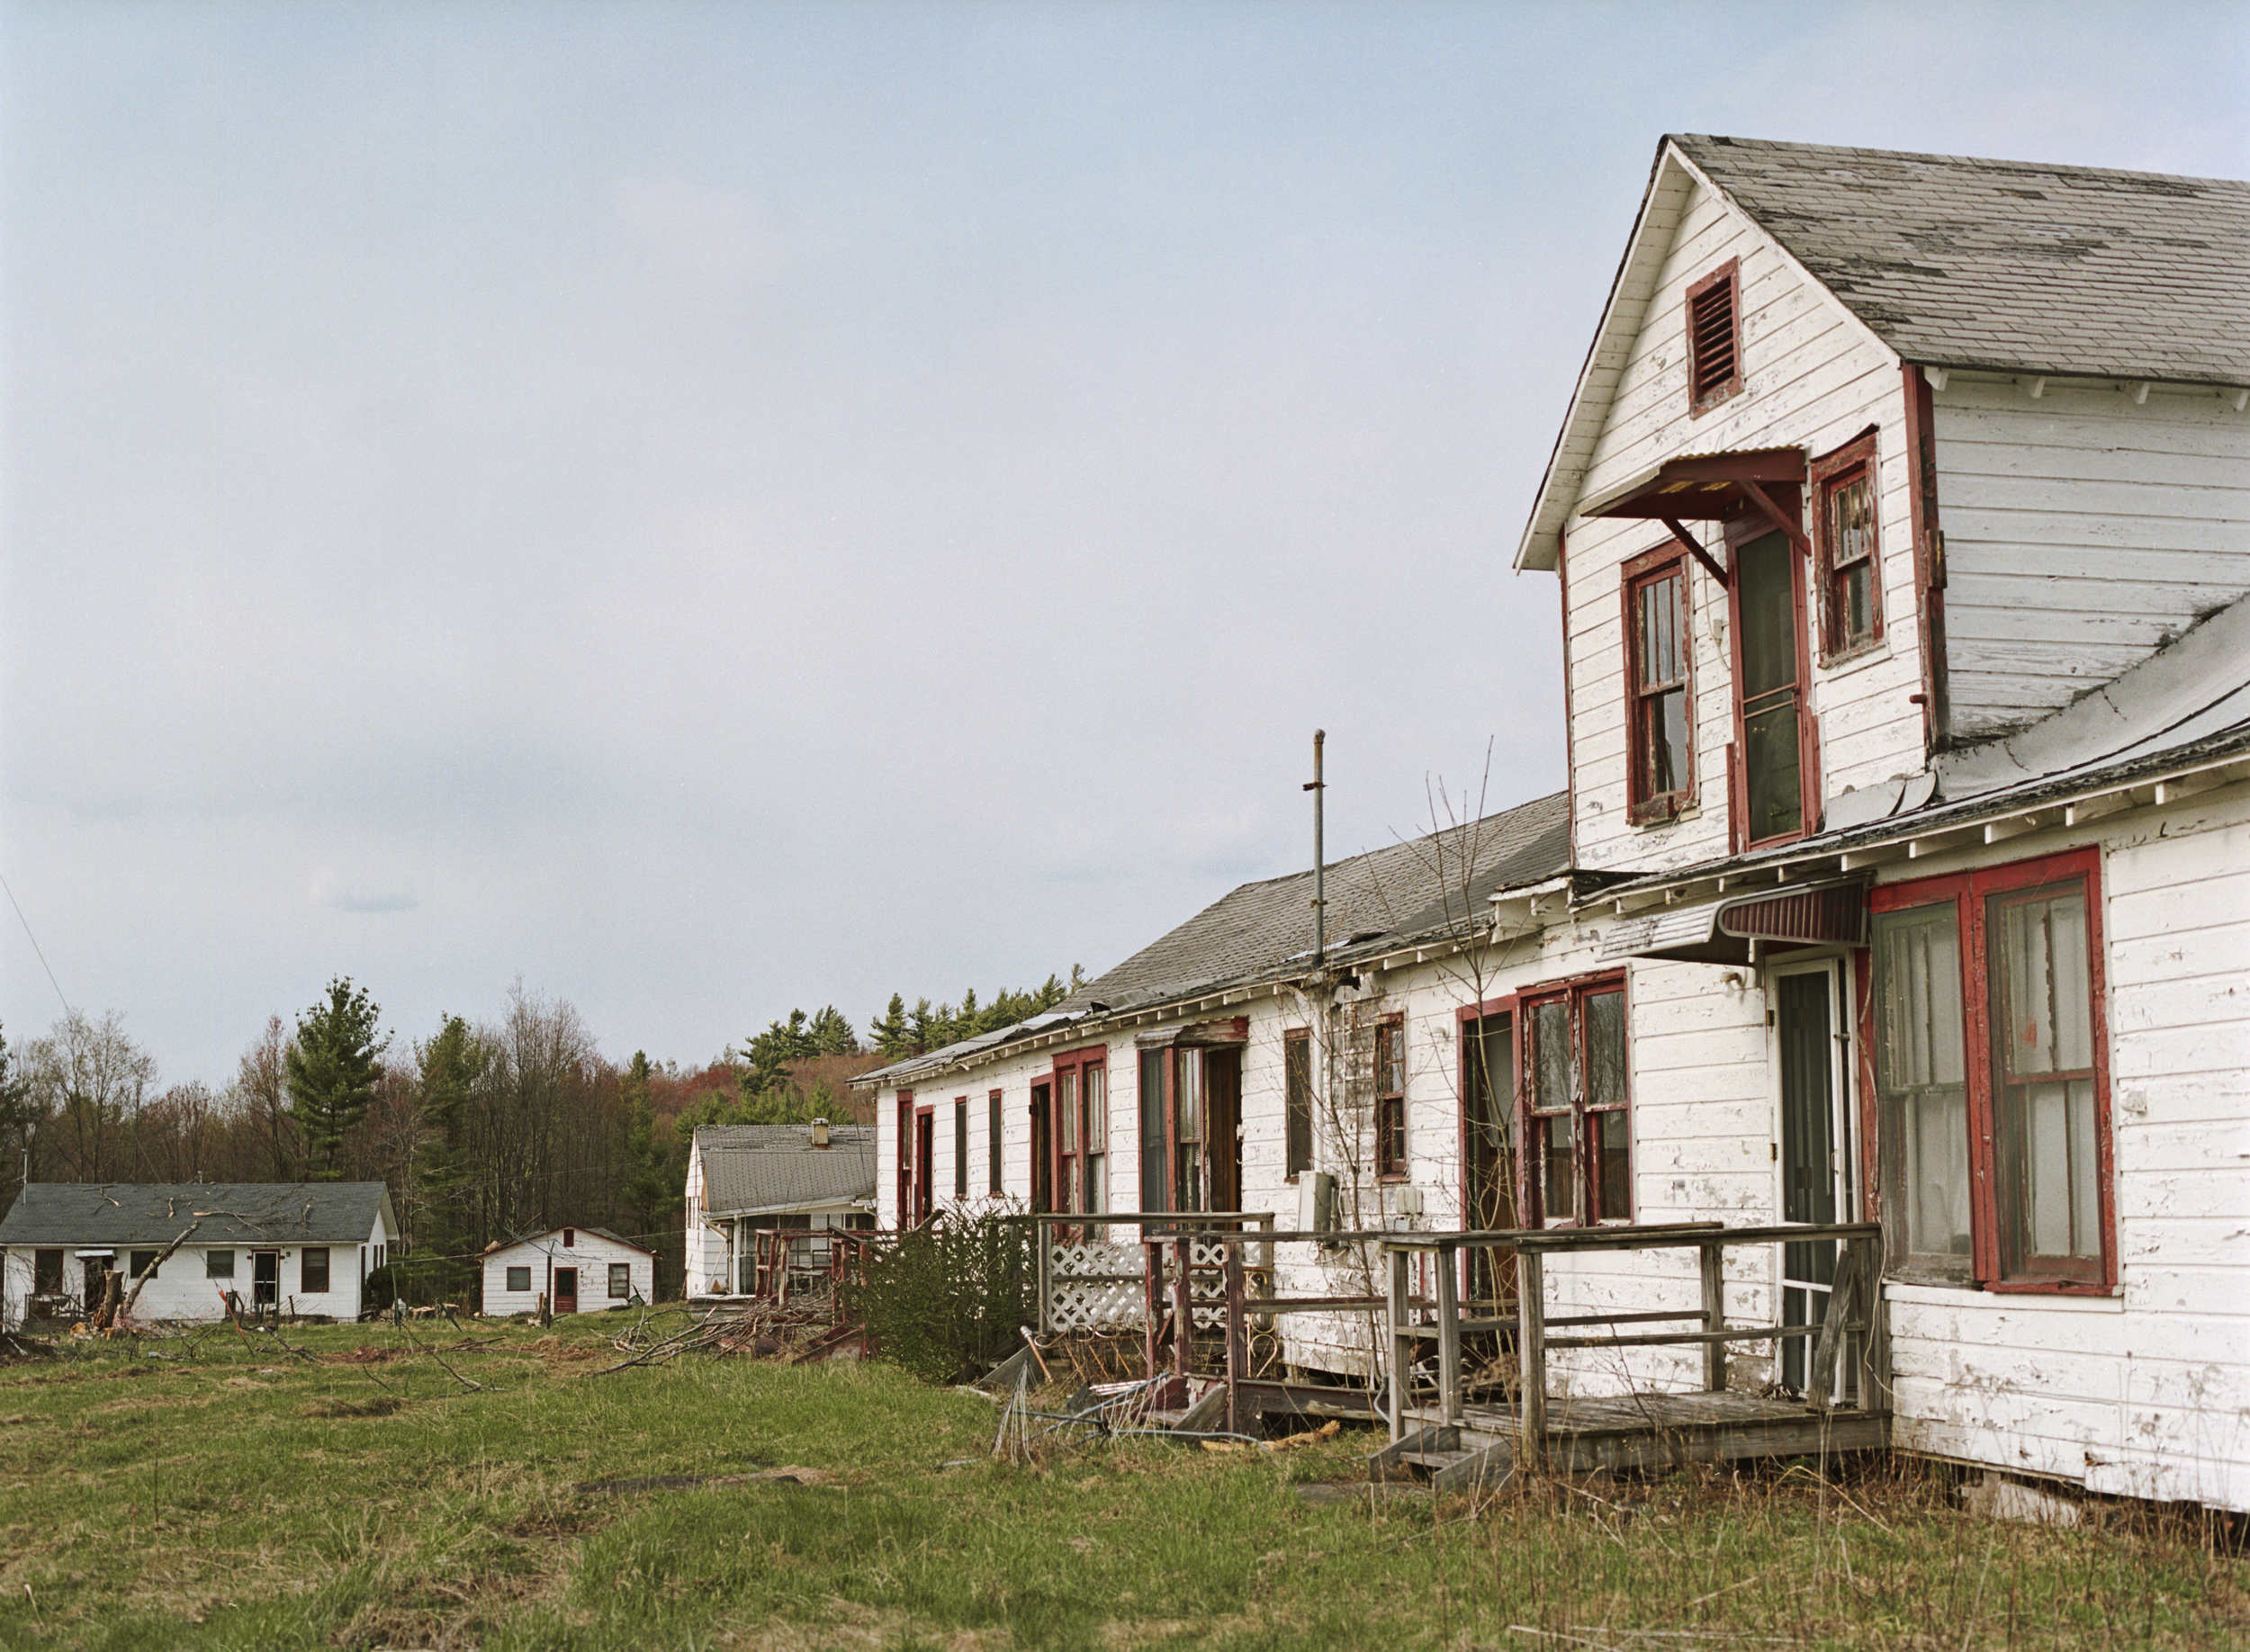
[[579, 1270]]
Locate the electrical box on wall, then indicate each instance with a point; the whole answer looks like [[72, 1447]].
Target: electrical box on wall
[[1407, 1201], [1316, 1202]]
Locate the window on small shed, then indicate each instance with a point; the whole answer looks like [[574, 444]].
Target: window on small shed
[[569, 1238], [519, 1279], [218, 1264], [620, 1280], [140, 1262], [313, 1269], [1715, 338], [1852, 585], [1391, 1133], [1297, 1069], [46, 1273], [1662, 712]]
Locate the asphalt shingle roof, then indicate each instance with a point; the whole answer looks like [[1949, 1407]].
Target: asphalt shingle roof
[[112, 1213], [775, 1167], [2012, 265], [1423, 890]]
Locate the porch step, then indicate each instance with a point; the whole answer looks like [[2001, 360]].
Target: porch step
[[1449, 1459]]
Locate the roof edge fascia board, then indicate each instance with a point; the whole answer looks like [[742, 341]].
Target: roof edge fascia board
[[1537, 548], [1968, 815], [1536, 551]]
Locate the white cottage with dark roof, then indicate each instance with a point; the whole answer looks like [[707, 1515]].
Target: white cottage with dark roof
[[745, 1179], [1900, 526], [299, 1248]]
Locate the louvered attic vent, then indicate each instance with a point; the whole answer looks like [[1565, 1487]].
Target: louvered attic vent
[[1713, 339]]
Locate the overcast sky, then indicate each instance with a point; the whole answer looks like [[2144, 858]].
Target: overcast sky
[[710, 509]]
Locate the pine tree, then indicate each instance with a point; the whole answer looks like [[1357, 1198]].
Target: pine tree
[[889, 1030], [332, 1071], [444, 1174], [833, 1034], [648, 1183]]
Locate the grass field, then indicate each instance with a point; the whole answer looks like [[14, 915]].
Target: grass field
[[241, 1495]]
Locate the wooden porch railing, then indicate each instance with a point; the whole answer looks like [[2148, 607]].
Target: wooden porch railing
[[1847, 1343]]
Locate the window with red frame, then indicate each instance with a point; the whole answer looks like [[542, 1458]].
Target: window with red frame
[[1852, 584], [1578, 1132], [1391, 1131], [1657, 651], [1082, 1131], [1992, 1075], [1715, 338]]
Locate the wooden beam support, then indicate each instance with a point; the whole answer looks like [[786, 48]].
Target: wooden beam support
[[1759, 496], [1694, 549]]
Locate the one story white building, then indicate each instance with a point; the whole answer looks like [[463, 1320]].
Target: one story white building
[[298, 1248], [579, 1270], [744, 1179]]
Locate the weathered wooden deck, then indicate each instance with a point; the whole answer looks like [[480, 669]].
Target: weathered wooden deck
[[1634, 1431]]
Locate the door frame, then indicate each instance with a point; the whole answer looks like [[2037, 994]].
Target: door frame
[[1838, 966]]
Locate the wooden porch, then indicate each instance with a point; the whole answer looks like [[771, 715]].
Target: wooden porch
[[1437, 1434]]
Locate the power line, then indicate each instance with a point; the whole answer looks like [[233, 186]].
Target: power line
[[43, 963]]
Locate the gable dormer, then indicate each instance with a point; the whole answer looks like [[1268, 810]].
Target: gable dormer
[[1816, 516]]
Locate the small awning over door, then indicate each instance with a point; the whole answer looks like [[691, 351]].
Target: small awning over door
[[1832, 914], [1709, 487]]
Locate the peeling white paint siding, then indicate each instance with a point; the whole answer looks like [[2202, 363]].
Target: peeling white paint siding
[[2082, 529], [1814, 378], [2146, 1393]]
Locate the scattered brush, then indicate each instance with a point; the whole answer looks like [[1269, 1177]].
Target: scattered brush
[[380, 1405]]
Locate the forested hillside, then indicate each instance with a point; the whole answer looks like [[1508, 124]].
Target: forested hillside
[[481, 1129]]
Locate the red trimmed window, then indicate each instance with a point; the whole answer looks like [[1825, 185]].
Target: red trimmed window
[[1578, 1136], [1776, 778], [960, 1147], [1844, 529], [1992, 1075], [1082, 1131], [1662, 698], [1391, 1131], [1715, 338]]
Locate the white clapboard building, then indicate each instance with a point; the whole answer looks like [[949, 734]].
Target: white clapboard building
[[297, 1248], [1900, 521], [576, 1270], [797, 1184]]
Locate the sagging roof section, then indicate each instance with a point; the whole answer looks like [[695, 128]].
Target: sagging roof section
[[1950, 262], [222, 1213], [1427, 888], [751, 1168]]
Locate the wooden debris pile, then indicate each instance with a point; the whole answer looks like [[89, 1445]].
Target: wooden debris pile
[[798, 1332]]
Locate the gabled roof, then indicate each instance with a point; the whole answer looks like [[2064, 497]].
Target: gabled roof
[[222, 1213], [534, 1240], [2011, 266], [751, 1169], [1427, 888]]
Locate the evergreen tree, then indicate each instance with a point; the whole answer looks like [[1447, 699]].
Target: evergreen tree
[[921, 1028], [444, 1173], [649, 1186], [831, 1034], [332, 1071], [889, 1030]]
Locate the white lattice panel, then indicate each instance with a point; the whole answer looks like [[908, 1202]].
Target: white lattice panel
[[1083, 1291]]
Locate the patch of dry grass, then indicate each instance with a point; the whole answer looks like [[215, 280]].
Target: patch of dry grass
[[261, 1494]]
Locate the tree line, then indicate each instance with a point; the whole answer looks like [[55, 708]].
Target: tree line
[[481, 1131]]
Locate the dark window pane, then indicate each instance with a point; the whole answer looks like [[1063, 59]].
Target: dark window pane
[[1559, 1191], [1153, 1190], [1765, 576], [1664, 742], [519, 1279], [1610, 1139], [1605, 1050], [1775, 801], [313, 1270], [1551, 1056], [1297, 1062]]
